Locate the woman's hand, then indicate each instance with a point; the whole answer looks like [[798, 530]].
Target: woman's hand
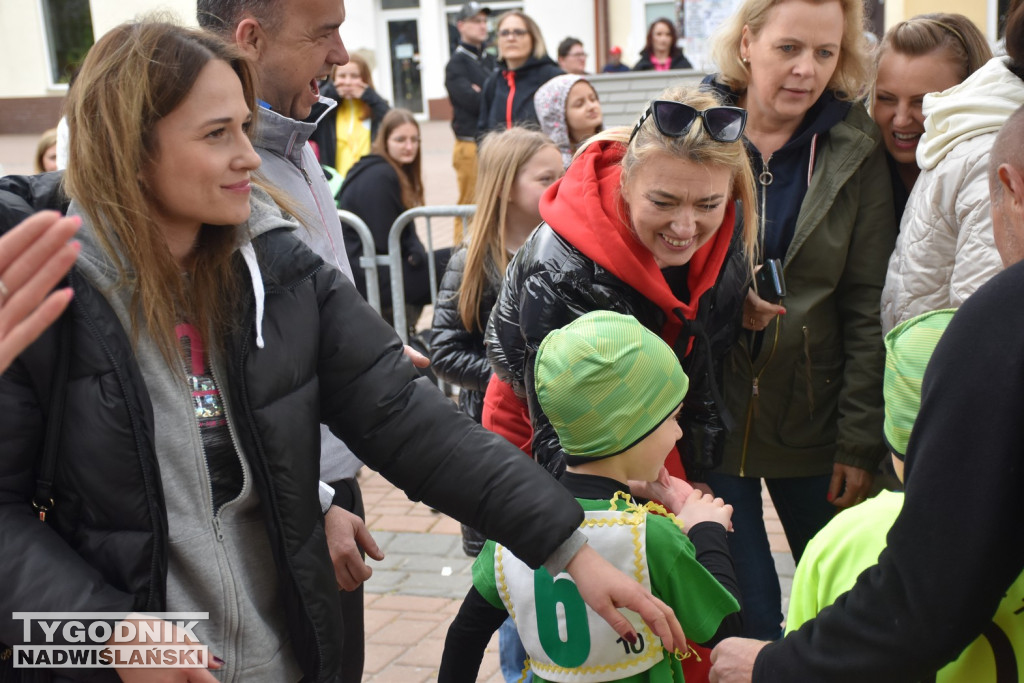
[[670, 491], [852, 482], [606, 589], [180, 642], [354, 88], [34, 256], [757, 312]]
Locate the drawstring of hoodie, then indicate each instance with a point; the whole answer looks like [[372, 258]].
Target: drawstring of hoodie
[[249, 254]]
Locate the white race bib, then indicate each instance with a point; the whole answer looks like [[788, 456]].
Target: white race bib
[[565, 639]]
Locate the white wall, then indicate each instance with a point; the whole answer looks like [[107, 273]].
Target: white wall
[[22, 51], [106, 14], [563, 18], [23, 38]]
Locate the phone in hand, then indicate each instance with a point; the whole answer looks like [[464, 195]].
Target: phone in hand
[[769, 283]]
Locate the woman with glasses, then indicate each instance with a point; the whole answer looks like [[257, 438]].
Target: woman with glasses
[[642, 223], [804, 382], [507, 96]]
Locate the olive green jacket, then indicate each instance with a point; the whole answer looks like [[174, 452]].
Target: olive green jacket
[[813, 394]]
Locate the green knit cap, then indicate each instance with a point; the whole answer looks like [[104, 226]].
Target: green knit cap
[[605, 382], [908, 348]]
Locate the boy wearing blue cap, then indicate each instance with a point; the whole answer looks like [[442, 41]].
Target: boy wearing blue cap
[[854, 539], [612, 390]]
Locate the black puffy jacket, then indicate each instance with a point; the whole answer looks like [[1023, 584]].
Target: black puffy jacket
[[550, 283], [458, 356], [328, 357], [507, 96]]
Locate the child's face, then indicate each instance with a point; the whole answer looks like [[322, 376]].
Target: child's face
[[533, 178], [653, 450], [582, 111]]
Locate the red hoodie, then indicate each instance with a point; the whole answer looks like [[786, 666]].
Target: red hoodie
[[586, 208]]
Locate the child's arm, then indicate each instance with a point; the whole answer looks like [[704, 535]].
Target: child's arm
[[467, 638], [707, 520], [711, 543]]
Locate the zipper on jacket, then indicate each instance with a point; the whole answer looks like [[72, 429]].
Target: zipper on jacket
[[510, 78], [765, 178], [755, 392]]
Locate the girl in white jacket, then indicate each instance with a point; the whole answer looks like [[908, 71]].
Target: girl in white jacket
[[945, 249]]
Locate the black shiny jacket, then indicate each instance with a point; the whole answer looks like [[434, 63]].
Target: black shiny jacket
[[458, 356], [551, 283]]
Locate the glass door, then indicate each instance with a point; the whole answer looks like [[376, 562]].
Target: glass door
[[404, 51]]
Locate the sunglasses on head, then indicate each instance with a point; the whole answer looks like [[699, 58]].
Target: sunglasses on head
[[724, 124]]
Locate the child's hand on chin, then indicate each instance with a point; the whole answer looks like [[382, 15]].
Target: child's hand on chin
[[672, 492], [703, 507]]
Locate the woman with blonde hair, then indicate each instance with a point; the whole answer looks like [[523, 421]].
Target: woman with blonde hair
[[804, 382], [344, 134], [506, 99], [516, 166], [171, 419], [925, 54], [642, 223]]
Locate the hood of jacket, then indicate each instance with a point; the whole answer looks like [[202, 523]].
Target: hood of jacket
[[979, 105], [362, 166], [549, 101], [586, 207], [265, 216]]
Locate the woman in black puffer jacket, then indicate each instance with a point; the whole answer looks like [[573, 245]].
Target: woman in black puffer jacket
[[620, 235]]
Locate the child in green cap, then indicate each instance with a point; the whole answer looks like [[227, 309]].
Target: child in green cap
[[612, 390], [854, 539]]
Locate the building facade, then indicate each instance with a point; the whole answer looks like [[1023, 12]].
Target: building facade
[[408, 41]]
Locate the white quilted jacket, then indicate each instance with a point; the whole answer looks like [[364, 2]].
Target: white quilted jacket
[[945, 249]]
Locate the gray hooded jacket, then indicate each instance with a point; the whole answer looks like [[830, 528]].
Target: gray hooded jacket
[[290, 165]]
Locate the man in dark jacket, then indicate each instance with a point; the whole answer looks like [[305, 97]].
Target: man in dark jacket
[[958, 542], [464, 76]]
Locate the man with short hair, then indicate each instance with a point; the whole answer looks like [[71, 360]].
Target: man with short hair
[[958, 543], [572, 57], [463, 77]]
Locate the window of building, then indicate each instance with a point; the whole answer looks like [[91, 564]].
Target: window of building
[[399, 4], [658, 10], [68, 25]]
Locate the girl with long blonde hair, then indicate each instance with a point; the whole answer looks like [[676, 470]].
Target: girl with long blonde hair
[[516, 166]]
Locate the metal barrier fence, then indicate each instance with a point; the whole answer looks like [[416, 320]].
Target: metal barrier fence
[[394, 256], [368, 261]]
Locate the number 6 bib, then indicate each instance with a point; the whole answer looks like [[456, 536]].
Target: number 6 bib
[[565, 639]]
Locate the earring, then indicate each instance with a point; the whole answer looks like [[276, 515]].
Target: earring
[[744, 60]]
